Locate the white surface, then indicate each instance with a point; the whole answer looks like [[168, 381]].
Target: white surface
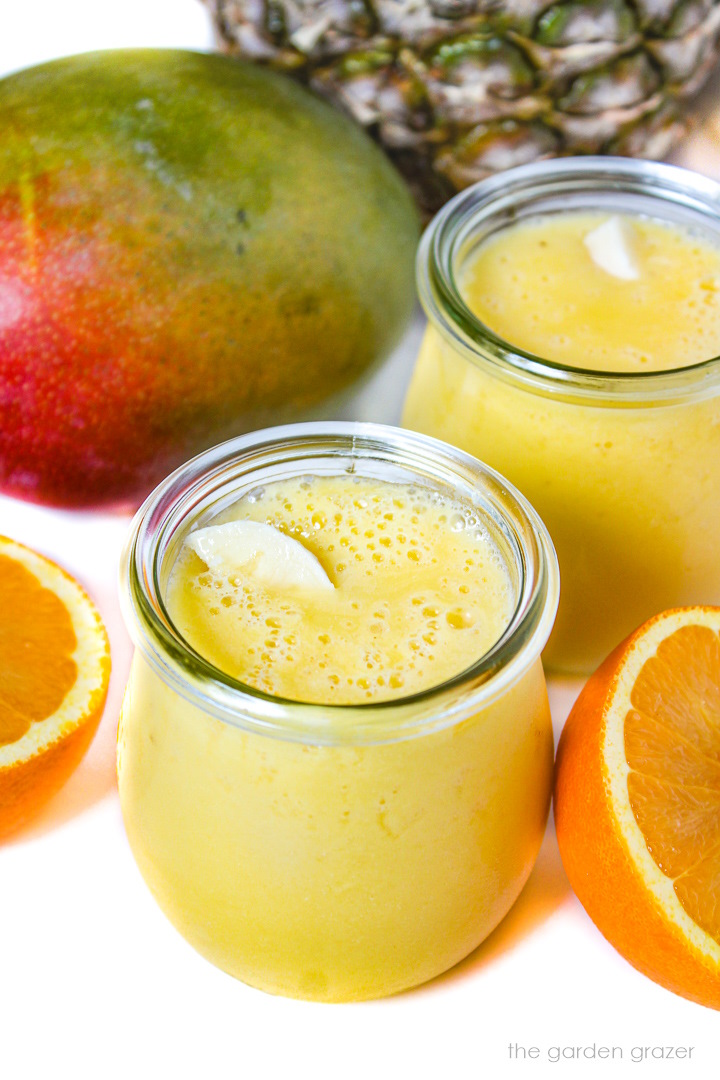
[[94, 982]]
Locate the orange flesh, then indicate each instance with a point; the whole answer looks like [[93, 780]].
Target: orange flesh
[[672, 745], [37, 641]]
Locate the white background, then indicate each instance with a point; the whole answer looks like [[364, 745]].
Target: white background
[[94, 982]]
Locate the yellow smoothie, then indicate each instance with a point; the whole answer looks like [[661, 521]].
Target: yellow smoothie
[[627, 479], [538, 286], [420, 593], [325, 858]]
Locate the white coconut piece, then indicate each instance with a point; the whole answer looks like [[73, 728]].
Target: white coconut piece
[[609, 248], [260, 551]]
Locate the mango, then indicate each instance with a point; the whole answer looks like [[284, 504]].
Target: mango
[[190, 247]]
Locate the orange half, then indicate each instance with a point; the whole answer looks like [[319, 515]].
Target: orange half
[[637, 800], [54, 674]]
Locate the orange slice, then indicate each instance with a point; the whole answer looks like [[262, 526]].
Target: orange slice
[[54, 673], [637, 800]]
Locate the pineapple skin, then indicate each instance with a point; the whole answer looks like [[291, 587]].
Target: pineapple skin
[[458, 89]]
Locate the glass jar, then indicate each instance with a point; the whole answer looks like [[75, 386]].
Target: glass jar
[[334, 852], [623, 468]]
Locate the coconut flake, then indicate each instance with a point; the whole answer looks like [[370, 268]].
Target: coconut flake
[[609, 249], [260, 551]]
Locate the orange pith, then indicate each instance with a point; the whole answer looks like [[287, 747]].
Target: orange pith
[[54, 671], [637, 800]]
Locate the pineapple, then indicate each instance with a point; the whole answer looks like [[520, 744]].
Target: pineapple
[[457, 89]]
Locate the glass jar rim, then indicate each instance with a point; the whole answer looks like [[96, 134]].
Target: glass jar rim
[[501, 194], [332, 448]]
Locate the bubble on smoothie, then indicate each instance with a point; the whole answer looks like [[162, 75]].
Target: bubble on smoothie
[[415, 601]]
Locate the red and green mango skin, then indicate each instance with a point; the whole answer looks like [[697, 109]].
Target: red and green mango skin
[[190, 247]]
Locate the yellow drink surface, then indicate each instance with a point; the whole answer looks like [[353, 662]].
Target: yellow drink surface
[[536, 285], [421, 593], [324, 866], [630, 492]]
